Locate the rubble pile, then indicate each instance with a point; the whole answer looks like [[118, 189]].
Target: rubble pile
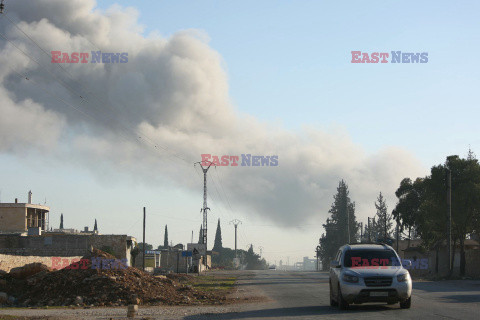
[[181, 278], [36, 285]]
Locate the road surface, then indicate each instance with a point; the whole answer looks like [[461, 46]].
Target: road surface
[[305, 295], [301, 295]]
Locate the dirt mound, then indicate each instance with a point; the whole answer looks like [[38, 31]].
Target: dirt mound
[[28, 270], [103, 287], [98, 254], [181, 278]]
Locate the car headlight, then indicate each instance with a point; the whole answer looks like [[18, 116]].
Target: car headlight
[[403, 277], [350, 278]]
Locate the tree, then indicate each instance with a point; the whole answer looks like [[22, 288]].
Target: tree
[[217, 246], [95, 228], [254, 261], [343, 215], [430, 219], [61, 221], [384, 223], [142, 247], [165, 238], [410, 196], [341, 227], [328, 244]]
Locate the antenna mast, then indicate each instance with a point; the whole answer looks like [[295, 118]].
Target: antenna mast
[[205, 207]]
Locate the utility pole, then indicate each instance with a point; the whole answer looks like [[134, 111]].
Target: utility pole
[[235, 223], [143, 255], [369, 237], [348, 221], [205, 208], [361, 231], [385, 228], [261, 250], [398, 231], [449, 219], [2, 6]]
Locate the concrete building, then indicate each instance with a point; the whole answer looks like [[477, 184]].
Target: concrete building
[[25, 237], [23, 217]]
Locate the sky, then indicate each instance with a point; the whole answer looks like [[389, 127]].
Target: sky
[[228, 78]]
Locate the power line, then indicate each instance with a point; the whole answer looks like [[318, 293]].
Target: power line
[[221, 185]]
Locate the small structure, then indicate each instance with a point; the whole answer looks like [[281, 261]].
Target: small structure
[[173, 260], [24, 217]]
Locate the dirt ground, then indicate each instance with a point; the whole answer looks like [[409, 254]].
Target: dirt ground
[[220, 284]]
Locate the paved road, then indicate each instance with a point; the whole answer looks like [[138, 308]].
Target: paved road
[[302, 295], [305, 295]]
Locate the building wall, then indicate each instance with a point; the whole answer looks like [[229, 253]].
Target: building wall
[[173, 261], [150, 260], [8, 262], [13, 219], [472, 259], [64, 245]]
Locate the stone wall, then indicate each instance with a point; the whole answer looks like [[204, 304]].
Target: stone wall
[[65, 245], [7, 262]]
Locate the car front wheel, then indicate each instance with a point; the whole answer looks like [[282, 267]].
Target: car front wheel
[[333, 303], [342, 303], [406, 304]]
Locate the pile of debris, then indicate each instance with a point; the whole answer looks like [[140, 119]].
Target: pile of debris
[[37, 285]]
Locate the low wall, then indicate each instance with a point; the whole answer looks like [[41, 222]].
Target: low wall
[[65, 245], [8, 262], [472, 262]]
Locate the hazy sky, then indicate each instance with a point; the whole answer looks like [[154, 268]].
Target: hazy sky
[[222, 77]]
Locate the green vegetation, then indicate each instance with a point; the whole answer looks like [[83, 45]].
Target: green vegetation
[[217, 246], [422, 205], [337, 228], [421, 211], [214, 283], [223, 257]]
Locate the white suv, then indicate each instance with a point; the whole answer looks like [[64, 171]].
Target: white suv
[[369, 273]]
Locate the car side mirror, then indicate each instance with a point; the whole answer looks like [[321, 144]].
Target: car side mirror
[[407, 263], [335, 264]]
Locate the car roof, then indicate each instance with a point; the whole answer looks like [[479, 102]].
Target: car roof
[[369, 246]]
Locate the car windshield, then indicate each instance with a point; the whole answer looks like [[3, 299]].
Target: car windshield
[[369, 257]]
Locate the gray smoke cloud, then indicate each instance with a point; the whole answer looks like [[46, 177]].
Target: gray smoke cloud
[[163, 109]]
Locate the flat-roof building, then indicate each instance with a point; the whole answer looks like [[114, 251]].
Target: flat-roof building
[[20, 217]]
